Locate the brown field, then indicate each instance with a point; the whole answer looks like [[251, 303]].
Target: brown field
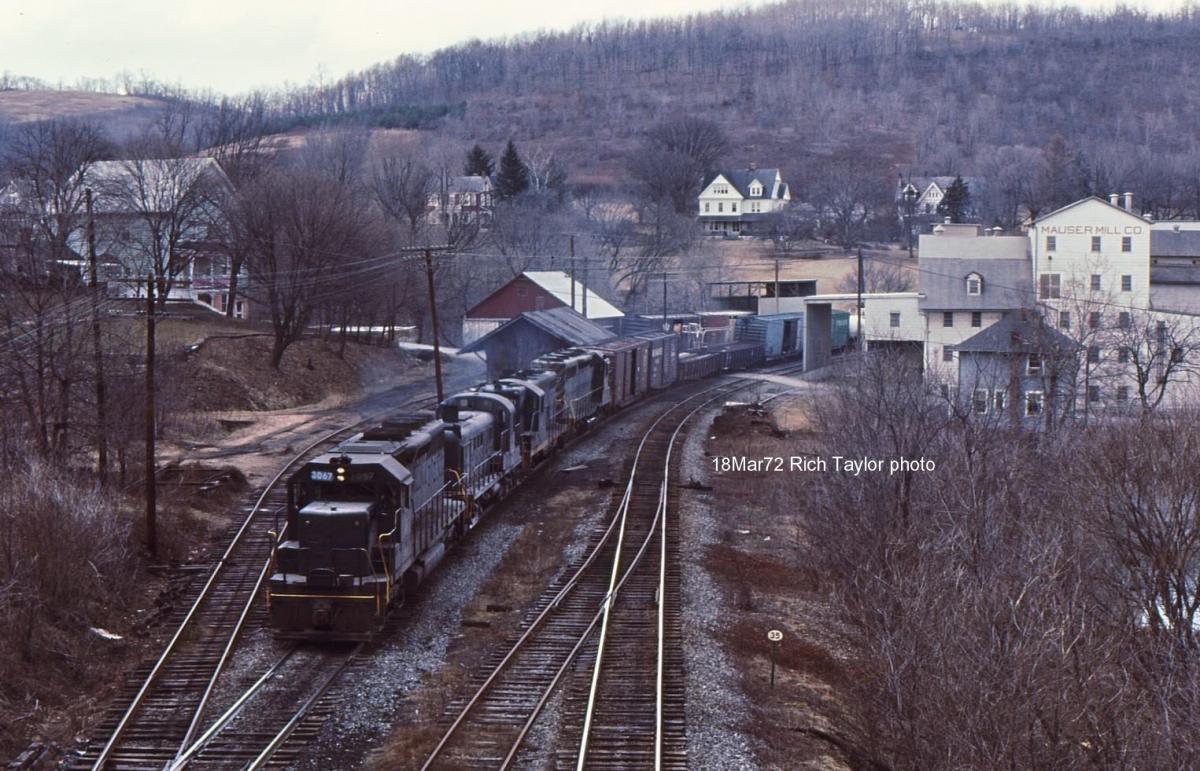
[[26, 106]]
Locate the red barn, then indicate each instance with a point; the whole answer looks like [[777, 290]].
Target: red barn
[[533, 290]]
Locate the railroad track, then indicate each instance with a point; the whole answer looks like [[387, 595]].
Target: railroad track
[[159, 722], [160, 713], [635, 713]]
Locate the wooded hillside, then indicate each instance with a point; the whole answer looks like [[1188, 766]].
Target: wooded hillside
[[938, 87]]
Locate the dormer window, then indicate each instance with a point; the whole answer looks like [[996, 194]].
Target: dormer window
[[974, 284], [755, 190]]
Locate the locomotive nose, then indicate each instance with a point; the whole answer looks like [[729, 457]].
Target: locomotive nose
[[322, 615]]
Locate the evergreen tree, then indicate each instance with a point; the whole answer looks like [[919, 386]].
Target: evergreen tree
[[1056, 183], [479, 163], [513, 177], [956, 201]]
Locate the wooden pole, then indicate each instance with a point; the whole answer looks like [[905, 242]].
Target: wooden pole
[[777, 283], [151, 491], [572, 250], [437, 349], [859, 305], [98, 351], [664, 321]]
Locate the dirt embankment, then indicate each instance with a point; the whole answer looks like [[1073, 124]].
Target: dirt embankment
[[222, 406], [750, 577]]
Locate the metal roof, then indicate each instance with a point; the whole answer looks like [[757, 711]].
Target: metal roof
[[154, 184], [1007, 284], [563, 323], [558, 283], [1017, 332], [1174, 243], [468, 184]]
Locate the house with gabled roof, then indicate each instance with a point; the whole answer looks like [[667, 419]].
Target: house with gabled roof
[[926, 194], [461, 200], [162, 215], [1020, 370], [735, 200], [536, 290]]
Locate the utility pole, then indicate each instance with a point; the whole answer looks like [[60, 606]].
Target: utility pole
[[572, 250], [437, 348], [151, 491], [392, 322], [859, 304], [777, 283], [585, 286], [664, 301], [101, 419]]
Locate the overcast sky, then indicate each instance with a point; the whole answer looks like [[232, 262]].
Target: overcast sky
[[236, 45]]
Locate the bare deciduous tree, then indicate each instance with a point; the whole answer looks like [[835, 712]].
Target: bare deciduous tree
[[673, 159], [305, 230]]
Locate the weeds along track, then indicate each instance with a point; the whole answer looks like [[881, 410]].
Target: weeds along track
[[161, 709], [609, 595], [166, 716]]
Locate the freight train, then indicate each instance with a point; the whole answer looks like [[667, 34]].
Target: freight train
[[369, 520]]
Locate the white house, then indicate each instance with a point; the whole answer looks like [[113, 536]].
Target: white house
[[461, 200], [161, 216], [733, 201], [968, 282], [926, 194]]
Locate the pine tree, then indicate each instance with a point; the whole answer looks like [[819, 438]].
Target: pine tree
[[956, 201], [1056, 185], [513, 177], [479, 163]]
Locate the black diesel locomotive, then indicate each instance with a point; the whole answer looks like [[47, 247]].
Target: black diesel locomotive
[[368, 521]]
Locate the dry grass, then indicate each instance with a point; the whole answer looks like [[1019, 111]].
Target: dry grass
[[23, 106], [804, 721], [89, 572]]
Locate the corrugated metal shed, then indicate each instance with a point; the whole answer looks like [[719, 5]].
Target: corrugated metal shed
[[517, 342], [563, 323]]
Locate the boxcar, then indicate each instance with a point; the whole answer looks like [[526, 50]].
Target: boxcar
[[781, 334], [628, 361], [740, 356], [698, 365], [664, 358], [840, 329]]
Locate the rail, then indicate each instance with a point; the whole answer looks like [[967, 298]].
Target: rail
[[203, 597], [660, 523], [617, 520], [277, 741]]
